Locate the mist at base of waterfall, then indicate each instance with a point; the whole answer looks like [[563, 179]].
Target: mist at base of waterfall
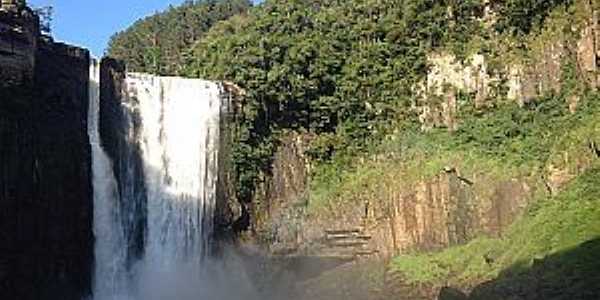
[[173, 131], [184, 282], [216, 279], [239, 274]]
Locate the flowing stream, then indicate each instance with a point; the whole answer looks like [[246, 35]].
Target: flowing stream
[[178, 123]]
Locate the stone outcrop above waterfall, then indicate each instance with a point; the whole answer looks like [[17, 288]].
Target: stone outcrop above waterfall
[[19, 34], [46, 240]]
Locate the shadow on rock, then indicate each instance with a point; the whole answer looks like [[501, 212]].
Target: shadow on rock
[[449, 293], [571, 274]]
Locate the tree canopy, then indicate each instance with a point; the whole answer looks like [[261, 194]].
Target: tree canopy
[[159, 43], [343, 71]]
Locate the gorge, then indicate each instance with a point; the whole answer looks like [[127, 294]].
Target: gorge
[[364, 150], [149, 200]]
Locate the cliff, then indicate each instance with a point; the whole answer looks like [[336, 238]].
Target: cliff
[[19, 33], [46, 248], [519, 70], [467, 206], [397, 212]]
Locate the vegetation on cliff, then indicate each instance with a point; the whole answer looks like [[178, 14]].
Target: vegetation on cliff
[[540, 241], [349, 74], [343, 71], [159, 43], [505, 142]]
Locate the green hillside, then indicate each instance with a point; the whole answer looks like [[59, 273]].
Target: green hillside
[[355, 75], [159, 43]]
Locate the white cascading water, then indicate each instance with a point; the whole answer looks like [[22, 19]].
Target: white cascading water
[[179, 142], [110, 270]]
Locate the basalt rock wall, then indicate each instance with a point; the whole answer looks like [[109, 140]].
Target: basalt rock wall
[[46, 239], [430, 213]]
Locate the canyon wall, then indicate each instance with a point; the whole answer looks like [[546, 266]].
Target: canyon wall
[[454, 205], [519, 73], [449, 208], [46, 239], [19, 33]]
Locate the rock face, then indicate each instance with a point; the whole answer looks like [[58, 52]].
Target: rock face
[[46, 240], [275, 216], [437, 96], [19, 32], [228, 210], [538, 71], [447, 209]]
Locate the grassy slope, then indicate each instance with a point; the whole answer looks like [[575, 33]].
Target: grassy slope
[[557, 240], [508, 141], [504, 141], [555, 225]]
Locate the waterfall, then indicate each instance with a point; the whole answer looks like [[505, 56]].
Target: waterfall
[[177, 141], [110, 255]]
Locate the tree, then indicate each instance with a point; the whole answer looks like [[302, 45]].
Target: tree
[[46, 16], [159, 43]]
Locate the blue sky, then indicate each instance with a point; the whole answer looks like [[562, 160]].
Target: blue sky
[[90, 23]]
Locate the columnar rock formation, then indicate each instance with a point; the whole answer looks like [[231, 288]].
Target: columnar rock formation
[[450, 208], [519, 80], [19, 34], [46, 241]]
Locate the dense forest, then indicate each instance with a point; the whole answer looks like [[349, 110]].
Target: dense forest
[[342, 70], [159, 43], [345, 71]]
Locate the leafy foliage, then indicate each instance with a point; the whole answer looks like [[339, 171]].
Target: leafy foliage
[[520, 16], [46, 16], [341, 70], [344, 71], [158, 43]]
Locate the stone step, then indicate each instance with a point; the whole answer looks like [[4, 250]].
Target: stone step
[[343, 231], [347, 236], [338, 236], [347, 244], [368, 252]]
